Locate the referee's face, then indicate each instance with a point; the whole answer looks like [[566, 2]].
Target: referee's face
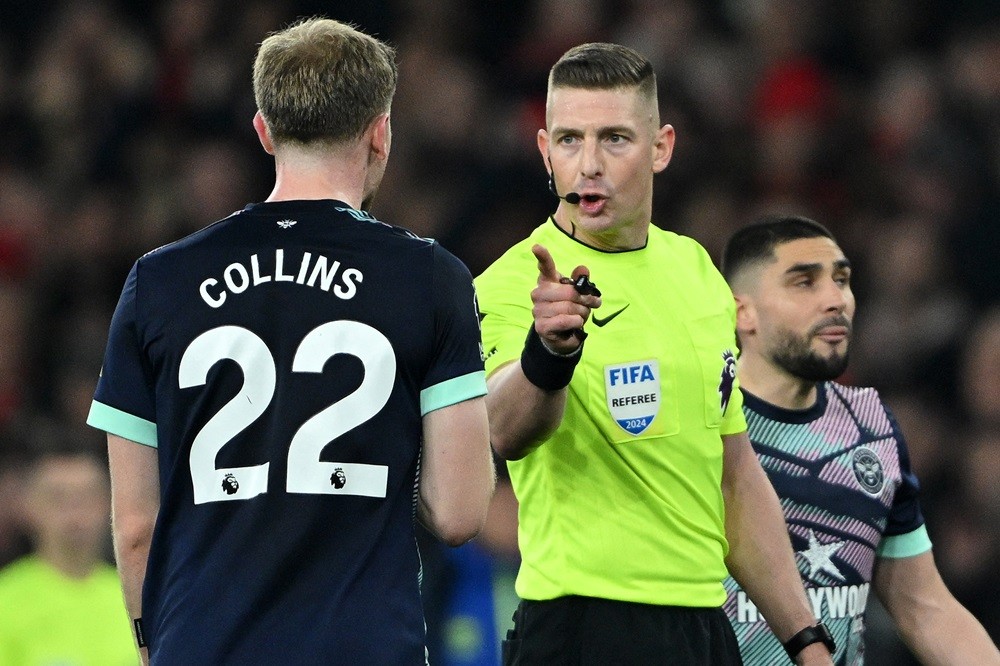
[[606, 146], [804, 309]]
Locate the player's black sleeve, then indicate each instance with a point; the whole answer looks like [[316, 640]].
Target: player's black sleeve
[[905, 515], [126, 382], [458, 347]]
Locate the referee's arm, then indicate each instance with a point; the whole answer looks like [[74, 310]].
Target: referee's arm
[[760, 552], [522, 416], [527, 397]]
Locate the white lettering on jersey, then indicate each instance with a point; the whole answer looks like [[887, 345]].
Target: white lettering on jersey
[[351, 278], [325, 274], [828, 603], [320, 270], [746, 610]]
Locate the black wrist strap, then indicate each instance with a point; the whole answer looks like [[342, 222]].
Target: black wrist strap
[[546, 369], [140, 634], [815, 634]]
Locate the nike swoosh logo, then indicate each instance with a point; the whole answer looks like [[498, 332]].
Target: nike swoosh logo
[[601, 322]]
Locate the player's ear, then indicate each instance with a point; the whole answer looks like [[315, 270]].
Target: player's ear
[[746, 316], [263, 133], [380, 136]]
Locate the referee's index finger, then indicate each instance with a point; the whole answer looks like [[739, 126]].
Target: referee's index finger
[[546, 264]]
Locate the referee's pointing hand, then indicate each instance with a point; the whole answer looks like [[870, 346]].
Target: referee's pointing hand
[[559, 308]]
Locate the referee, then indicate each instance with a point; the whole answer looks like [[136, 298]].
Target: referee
[[623, 426]]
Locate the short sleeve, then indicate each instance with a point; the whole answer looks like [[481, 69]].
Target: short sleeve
[[457, 372], [733, 419], [905, 516], [504, 296], [124, 402]]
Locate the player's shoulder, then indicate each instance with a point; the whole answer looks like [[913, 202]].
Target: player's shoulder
[[442, 261], [864, 402], [286, 215], [378, 226], [169, 250], [854, 394]]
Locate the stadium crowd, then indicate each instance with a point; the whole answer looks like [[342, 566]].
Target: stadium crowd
[[127, 125]]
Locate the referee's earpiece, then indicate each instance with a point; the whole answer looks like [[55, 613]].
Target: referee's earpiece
[[571, 198]]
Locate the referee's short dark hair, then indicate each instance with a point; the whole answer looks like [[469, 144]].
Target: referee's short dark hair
[[603, 66], [755, 242]]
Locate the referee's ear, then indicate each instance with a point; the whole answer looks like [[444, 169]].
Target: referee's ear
[[263, 133]]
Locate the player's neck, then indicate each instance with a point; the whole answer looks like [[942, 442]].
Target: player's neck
[[774, 385], [308, 176]]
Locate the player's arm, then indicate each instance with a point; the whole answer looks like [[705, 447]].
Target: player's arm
[[934, 626], [527, 397], [135, 502], [760, 553], [457, 476]]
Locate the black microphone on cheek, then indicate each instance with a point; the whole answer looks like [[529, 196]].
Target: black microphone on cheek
[[571, 198]]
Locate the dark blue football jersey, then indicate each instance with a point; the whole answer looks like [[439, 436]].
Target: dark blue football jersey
[[841, 470], [281, 361]]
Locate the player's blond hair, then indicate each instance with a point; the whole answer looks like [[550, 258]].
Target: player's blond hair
[[321, 80]]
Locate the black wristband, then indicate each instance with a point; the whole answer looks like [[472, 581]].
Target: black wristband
[[546, 369], [815, 634], [140, 634]]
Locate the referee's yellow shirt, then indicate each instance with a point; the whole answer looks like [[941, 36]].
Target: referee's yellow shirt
[[624, 501]]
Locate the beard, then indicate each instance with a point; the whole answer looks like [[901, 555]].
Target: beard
[[796, 356]]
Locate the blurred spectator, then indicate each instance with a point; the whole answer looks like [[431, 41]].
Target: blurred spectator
[[63, 603], [13, 330], [911, 325], [969, 514], [14, 541], [980, 386]]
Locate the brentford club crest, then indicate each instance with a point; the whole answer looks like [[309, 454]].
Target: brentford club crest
[[868, 470]]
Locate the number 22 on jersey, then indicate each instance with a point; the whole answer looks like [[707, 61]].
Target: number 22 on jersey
[[306, 472]]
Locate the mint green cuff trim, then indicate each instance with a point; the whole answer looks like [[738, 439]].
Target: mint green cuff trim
[[121, 423], [452, 391], [910, 544]]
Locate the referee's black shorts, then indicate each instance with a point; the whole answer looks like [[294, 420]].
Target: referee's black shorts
[[584, 631]]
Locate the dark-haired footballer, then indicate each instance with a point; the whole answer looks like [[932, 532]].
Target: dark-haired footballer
[[835, 455]]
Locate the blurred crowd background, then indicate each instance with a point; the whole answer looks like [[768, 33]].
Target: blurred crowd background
[[125, 125]]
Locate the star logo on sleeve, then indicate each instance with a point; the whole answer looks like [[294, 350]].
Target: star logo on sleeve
[[819, 555]]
